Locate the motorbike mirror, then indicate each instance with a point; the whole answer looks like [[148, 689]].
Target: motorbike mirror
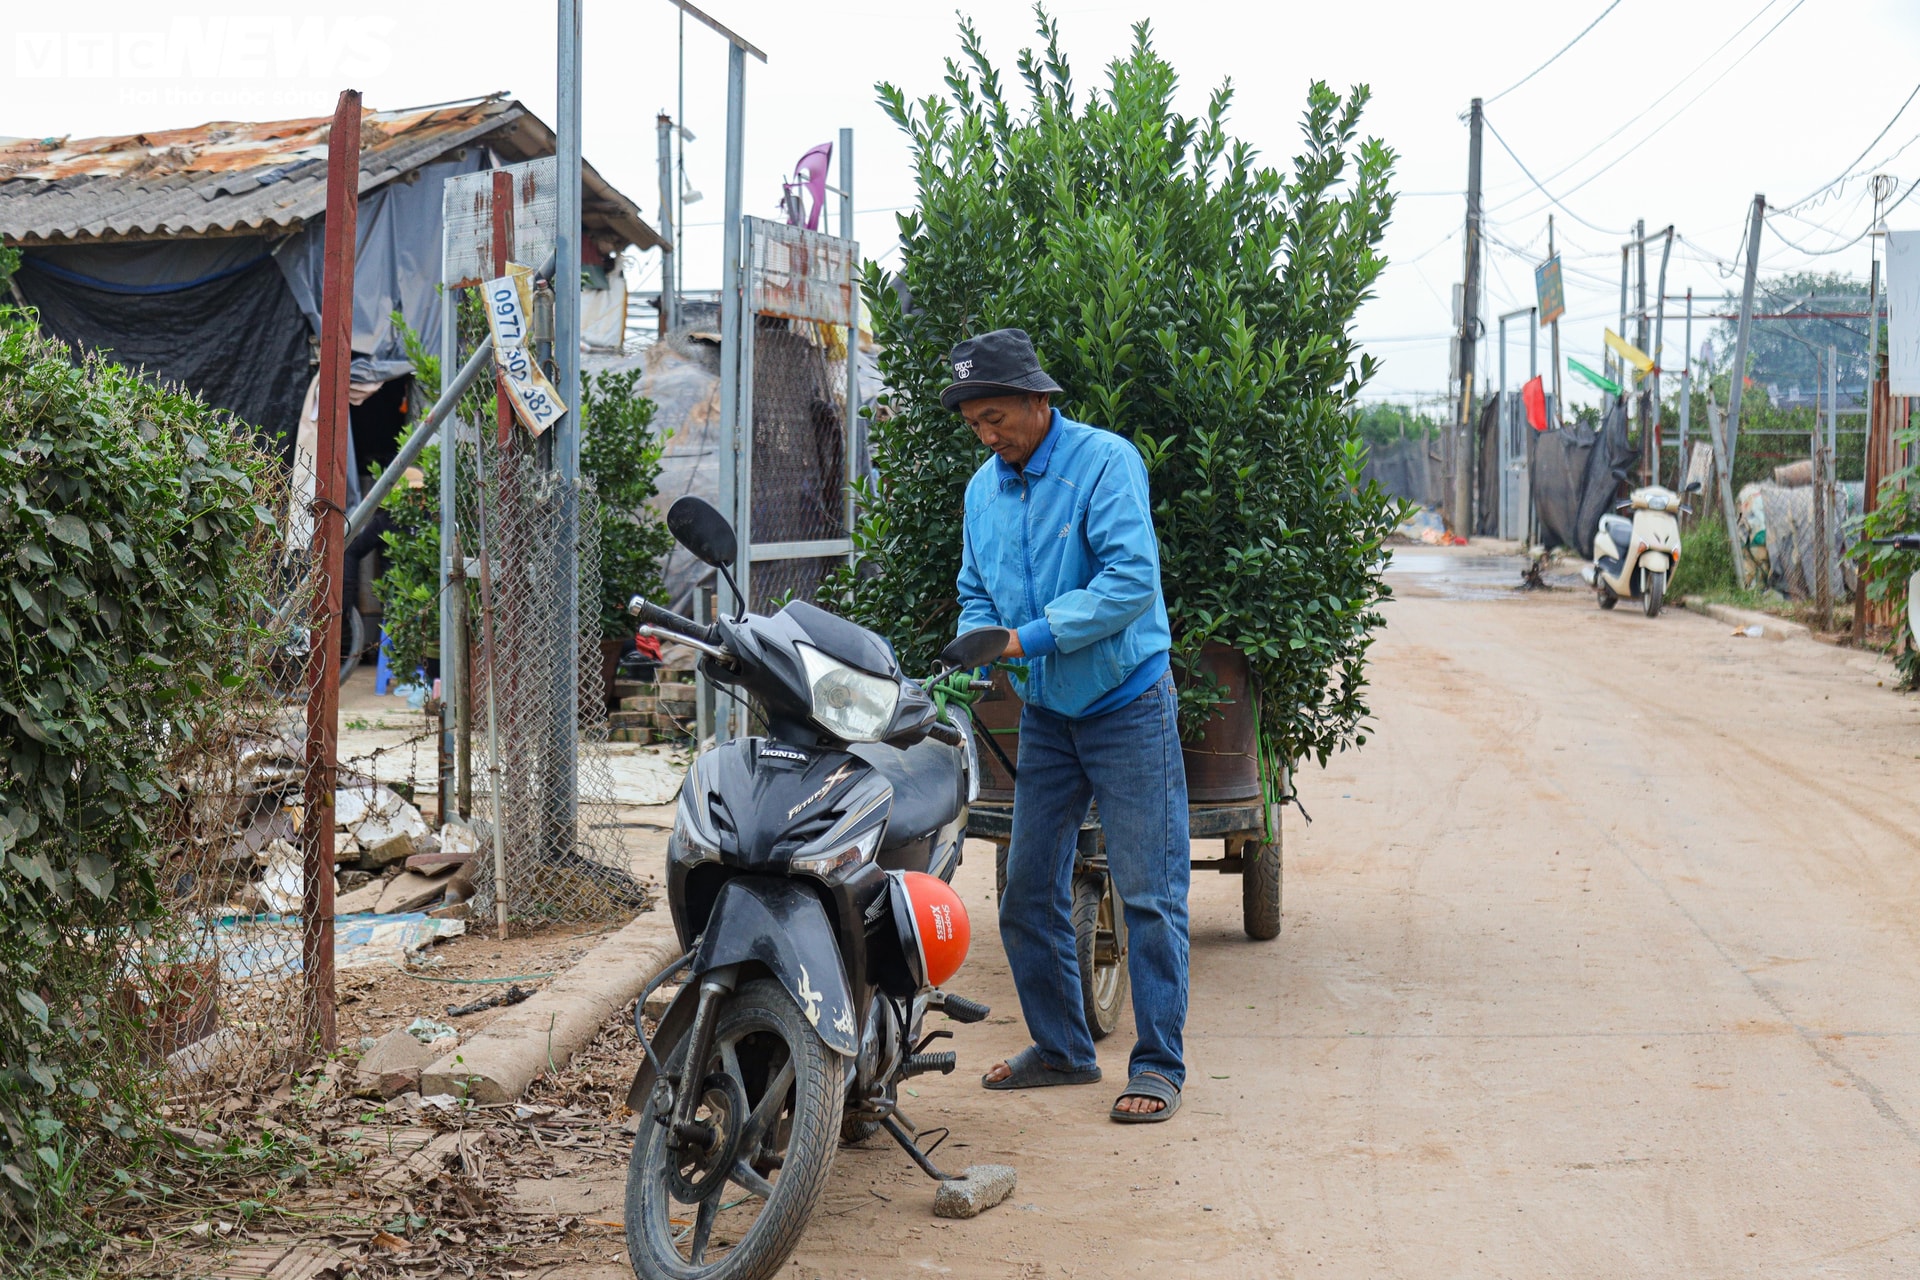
[[975, 648], [1694, 487], [702, 530]]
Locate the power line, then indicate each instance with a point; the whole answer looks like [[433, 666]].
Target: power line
[[1842, 248], [1670, 91], [1676, 115], [1543, 191], [1848, 171], [1556, 57]]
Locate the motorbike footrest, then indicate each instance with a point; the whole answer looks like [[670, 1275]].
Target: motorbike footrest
[[961, 1009], [918, 1064]]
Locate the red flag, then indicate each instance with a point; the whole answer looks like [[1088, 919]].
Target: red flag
[[1534, 396]]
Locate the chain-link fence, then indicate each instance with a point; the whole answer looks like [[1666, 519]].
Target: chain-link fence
[[541, 790], [799, 452]]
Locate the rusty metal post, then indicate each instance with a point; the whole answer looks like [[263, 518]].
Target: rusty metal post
[[330, 488]]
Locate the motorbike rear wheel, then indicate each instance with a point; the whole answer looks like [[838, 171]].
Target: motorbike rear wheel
[[782, 1148], [1655, 593], [1604, 595]]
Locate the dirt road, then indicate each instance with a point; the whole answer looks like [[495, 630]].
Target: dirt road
[[1599, 960]]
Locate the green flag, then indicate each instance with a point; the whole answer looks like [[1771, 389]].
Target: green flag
[[1607, 385]]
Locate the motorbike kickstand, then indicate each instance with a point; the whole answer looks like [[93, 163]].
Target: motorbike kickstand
[[907, 1144]]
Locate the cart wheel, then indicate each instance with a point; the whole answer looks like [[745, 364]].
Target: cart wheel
[[1260, 889], [1100, 941]]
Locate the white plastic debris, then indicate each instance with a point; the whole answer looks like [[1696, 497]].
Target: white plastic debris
[[374, 815], [428, 1031], [280, 886], [458, 837]]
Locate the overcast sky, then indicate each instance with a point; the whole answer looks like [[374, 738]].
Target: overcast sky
[[1782, 107]]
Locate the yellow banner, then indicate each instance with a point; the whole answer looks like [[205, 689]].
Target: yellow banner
[[1630, 353]]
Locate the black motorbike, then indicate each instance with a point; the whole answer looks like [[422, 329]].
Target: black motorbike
[[802, 996]]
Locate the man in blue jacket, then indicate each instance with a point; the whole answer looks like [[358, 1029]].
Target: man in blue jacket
[[1059, 547]]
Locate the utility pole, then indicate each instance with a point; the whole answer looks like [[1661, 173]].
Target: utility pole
[[1686, 394], [1469, 324], [1616, 367], [669, 303], [1754, 225], [1640, 339], [1659, 341], [1559, 405]]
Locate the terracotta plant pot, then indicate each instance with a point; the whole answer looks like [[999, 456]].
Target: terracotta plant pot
[[1223, 762]]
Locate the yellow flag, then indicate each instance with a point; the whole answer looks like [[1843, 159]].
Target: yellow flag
[[1630, 353]]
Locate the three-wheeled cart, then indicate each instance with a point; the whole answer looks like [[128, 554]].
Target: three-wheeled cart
[[1099, 926]]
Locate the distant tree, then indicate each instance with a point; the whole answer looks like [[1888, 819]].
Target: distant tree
[[1383, 423], [1781, 354]]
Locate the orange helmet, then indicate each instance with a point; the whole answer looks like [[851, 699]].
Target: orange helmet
[[932, 925]]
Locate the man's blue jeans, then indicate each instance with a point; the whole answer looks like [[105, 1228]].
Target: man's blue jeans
[[1128, 760]]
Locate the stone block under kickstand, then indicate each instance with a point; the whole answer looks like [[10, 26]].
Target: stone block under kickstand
[[976, 1190]]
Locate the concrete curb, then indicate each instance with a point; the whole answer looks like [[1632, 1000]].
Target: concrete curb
[[1771, 628], [522, 1043]]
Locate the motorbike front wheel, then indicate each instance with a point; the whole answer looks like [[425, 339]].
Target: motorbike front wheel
[[1655, 594], [776, 1118]]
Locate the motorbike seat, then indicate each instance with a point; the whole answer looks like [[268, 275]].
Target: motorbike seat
[[1618, 529], [928, 786]]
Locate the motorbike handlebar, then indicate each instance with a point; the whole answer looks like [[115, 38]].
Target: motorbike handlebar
[[651, 614], [946, 733]]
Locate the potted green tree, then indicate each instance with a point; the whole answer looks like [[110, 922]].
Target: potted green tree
[[1189, 298]]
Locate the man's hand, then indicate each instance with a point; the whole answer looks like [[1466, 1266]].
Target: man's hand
[[1013, 649]]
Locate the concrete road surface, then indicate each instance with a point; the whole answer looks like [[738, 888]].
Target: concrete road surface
[[1599, 961]]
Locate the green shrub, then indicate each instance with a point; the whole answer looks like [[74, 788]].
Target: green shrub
[[1188, 298], [132, 537], [1888, 569]]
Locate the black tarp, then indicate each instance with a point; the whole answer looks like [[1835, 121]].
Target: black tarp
[[236, 336], [396, 266], [1405, 469], [1573, 478], [1486, 502]]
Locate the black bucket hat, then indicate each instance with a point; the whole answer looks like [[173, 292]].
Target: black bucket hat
[[1001, 363]]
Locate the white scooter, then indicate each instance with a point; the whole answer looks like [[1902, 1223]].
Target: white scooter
[[1633, 558]]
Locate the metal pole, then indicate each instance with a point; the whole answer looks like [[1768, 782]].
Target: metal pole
[[1827, 494], [1616, 367], [732, 332], [1559, 405], [680, 158], [1469, 322], [566, 248], [329, 546], [1640, 340], [1686, 394], [1659, 338], [491, 656], [1501, 425], [1740, 342], [852, 430], [663, 134], [567, 244], [452, 678], [423, 435], [1717, 438]]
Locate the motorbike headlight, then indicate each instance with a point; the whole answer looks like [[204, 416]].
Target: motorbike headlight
[[1658, 502], [850, 704], [825, 864]]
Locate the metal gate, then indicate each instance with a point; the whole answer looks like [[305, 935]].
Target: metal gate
[[789, 406]]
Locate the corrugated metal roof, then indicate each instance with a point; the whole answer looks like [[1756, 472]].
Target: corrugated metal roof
[[238, 178]]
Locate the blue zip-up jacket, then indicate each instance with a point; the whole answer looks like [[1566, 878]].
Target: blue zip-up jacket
[[1063, 550]]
